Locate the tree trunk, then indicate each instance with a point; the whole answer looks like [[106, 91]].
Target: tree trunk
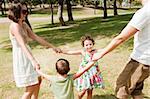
[[1, 7], [27, 21], [105, 9], [115, 8], [69, 10], [30, 4], [60, 12], [52, 13], [130, 1], [4, 6]]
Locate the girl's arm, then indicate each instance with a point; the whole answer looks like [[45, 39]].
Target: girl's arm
[[88, 66], [15, 31], [47, 77], [40, 39], [77, 52]]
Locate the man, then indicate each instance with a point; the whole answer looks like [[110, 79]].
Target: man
[[131, 80]]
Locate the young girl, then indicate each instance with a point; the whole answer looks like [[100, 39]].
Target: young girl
[[92, 78]]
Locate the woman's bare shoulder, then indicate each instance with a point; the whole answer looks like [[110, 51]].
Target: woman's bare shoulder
[[14, 25]]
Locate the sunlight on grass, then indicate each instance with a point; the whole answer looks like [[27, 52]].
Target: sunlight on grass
[[96, 26], [68, 37], [4, 31]]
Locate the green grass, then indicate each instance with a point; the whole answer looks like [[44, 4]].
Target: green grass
[[62, 35], [96, 26], [1, 16], [68, 37]]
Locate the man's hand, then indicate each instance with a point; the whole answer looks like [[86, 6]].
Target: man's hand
[[96, 56]]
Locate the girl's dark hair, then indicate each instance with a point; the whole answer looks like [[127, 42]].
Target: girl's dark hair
[[14, 13], [62, 66], [86, 37]]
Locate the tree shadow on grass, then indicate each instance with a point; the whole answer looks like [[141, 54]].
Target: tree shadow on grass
[[110, 97], [95, 26], [60, 35], [146, 97], [104, 97]]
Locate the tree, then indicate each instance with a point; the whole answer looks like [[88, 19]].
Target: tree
[[115, 8], [51, 2], [69, 10], [52, 13], [1, 6], [60, 12], [105, 9], [120, 2]]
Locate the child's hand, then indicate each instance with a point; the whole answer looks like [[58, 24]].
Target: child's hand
[[96, 56], [35, 64], [65, 51]]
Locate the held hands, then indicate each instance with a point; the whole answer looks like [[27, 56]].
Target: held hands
[[36, 65], [63, 51], [57, 50], [97, 56]]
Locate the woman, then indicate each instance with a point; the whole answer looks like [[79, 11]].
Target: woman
[[24, 64]]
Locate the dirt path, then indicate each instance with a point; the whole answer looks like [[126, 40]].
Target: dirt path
[[34, 19], [86, 13]]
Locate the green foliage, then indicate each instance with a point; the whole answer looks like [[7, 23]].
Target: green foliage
[[36, 2], [51, 1]]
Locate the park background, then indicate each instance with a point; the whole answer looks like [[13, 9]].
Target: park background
[[95, 17]]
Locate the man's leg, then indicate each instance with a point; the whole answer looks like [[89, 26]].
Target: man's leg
[[138, 97], [139, 77], [123, 81]]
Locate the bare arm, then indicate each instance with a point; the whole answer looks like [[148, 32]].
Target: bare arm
[[47, 77], [88, 66], [126, 33], [41, 40], [77, 52], [15, 31]]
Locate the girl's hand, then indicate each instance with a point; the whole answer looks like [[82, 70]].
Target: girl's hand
[[57, 50], [96, 56]]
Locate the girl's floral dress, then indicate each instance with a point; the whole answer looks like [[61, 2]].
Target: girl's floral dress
[[91, 78]]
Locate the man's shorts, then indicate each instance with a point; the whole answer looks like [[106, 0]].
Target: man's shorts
[[131, 80]]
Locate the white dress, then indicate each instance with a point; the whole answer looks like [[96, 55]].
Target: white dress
[[24, 73]]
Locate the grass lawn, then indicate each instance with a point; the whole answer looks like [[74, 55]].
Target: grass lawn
[[67, 37]]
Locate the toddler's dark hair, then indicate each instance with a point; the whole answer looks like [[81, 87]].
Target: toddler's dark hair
[[86, 37], [62, 66]]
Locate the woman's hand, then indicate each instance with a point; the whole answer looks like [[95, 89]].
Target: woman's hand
[[36, 65], [57, 50]]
